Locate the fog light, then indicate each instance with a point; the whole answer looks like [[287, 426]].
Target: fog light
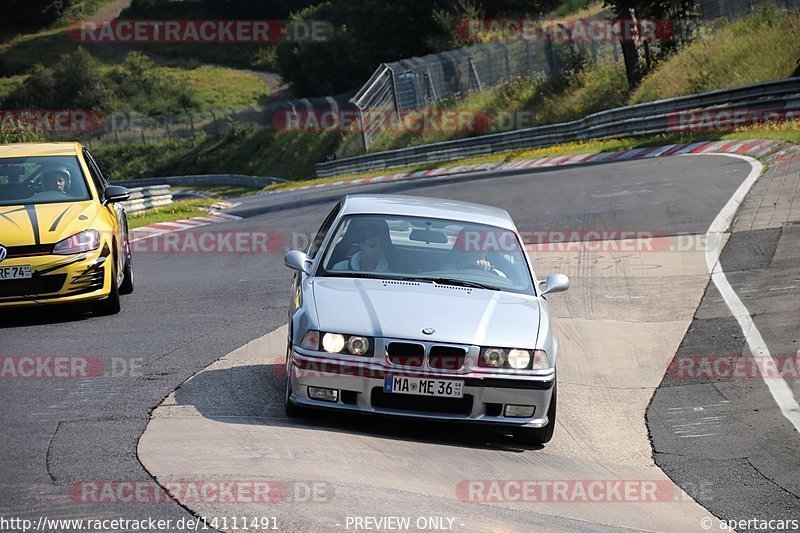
[[520, 411], [326, 395]]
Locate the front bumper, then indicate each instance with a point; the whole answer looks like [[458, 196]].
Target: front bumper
[[58, 279], [360, 384]]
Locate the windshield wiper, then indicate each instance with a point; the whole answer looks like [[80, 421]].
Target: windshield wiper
[[456, 283], [368, 275]]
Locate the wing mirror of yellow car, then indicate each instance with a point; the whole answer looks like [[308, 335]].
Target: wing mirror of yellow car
[[115, 193]]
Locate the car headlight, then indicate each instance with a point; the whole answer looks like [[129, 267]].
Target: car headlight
[[337, 343], [513, 358], [333, 342], [357, 345], [85, 241], [519, 359], [494, 357]]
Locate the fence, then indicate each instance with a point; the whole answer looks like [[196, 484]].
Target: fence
[[123, 127], [417, 83], [641, 119]]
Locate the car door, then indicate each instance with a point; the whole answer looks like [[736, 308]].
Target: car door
[[312, 251]]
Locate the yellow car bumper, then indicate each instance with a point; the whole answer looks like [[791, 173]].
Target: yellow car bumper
[[58, 279]]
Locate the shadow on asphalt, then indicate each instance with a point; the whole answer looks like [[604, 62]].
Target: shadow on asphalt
[[255, 392], [50, 314]]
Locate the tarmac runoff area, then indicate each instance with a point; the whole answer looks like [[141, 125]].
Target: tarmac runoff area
[[619, 327]]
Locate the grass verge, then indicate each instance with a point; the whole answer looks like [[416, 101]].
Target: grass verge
[[194, 207], [175, 211]]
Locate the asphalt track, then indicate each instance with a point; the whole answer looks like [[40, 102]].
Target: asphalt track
[[620, 325]]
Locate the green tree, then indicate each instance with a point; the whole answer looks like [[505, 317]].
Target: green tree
[[636, 50], [32, 13]]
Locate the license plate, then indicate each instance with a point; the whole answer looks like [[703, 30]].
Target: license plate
[[446, 388], [15, 272]]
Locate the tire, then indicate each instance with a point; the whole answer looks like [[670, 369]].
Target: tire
[[126, 287], [109, 305], [540, 436], [292, 409]]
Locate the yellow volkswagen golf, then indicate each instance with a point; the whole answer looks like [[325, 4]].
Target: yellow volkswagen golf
[[63, 234]]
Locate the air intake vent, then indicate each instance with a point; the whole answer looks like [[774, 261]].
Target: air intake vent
[[406, 353], [453, 287], [446, 357], [32, 286], [393, 282]]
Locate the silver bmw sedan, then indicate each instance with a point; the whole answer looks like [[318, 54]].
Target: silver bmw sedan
[[426, 308]]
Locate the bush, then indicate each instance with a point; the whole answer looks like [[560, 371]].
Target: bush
[[74, 82], [139, 86], [32, 13], [79, 81]]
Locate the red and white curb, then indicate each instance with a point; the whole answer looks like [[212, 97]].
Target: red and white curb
[[770, 151], [160, 228]]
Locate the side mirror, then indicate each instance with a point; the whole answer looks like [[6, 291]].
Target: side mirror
[[296, 260], [555, 283], [115, 193]]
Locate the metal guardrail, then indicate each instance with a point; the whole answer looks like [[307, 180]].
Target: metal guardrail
[[201, 180], [631, 121], [143, 198]]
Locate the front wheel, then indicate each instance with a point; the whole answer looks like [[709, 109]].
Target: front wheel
[[539, 436], [126, 287]]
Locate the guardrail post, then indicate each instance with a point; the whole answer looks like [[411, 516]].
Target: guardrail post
[[363, 129], [474, 73], [431, 87]]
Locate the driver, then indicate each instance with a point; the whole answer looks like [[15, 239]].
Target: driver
[[56, 180], [370, 256]]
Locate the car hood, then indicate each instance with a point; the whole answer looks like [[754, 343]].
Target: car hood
[[22, 225], [403, 309]]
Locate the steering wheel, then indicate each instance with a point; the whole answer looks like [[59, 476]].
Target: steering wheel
[[493, 270]]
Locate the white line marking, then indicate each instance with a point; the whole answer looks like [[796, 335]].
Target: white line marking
[[777, 385]]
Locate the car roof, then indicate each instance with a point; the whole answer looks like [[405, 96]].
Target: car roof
[[39, 149], [397, 204]]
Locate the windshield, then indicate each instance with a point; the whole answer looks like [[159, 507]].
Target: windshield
[[427, 249], [41, 180]]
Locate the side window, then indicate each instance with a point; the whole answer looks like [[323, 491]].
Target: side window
[[100, 182], [313, 249]]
